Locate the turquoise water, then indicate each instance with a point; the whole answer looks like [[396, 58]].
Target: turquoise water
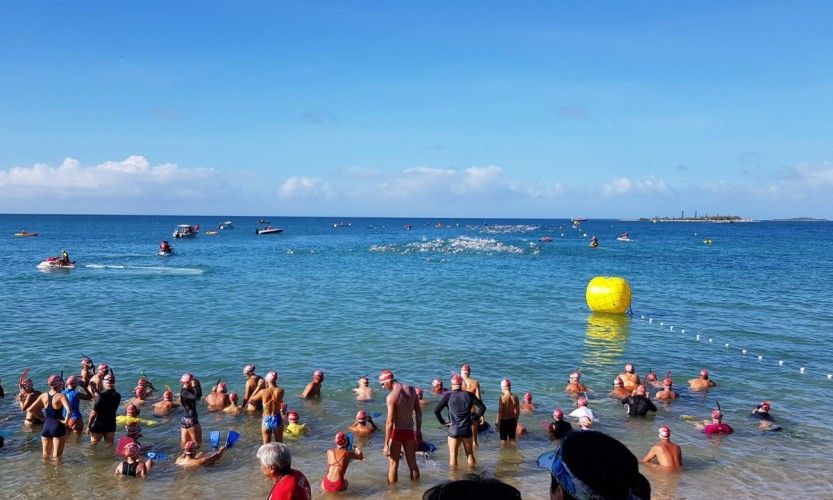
[[353, 300]]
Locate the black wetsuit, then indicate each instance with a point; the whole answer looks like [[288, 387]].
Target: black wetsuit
[[53, 427], [128, 469], [459, 404], [188, 399], [559, 429], [638, 406], [105, 411]]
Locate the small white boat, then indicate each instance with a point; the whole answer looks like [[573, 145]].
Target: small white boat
[[186, 231], [226, 225], [55, 263], [624, 238], [269, 230]]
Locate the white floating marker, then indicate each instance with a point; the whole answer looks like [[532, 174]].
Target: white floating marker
[[682, 331], [801, 370], [642, 317], [726, 345], [760, 357], [698, 337], [780, 362], [661, 323], [743, 351], [710, 341], [830, 376], [671, 328]]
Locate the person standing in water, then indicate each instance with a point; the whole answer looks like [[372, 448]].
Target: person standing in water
[[437, 387], [338, 459], [133, 466], [629, 377], [364, 425], [189, 423], [54, 405], [619, 392], [29, 401], [701, 383], [463, 409], [575, 386], [86, 372], [73, 415], [667, 393], [638, 405], [313, 389], [528, 406], [558, 428], [102, 422], [472, 386], [508, 411], [270, 397], [218, 398], [253, 384], [96, 384], [403, 427], [363, 390], [667, 454], [164, 407]]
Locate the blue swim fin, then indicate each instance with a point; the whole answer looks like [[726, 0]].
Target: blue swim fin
[[215, 439], [546, 459], [157, 455], [349, 441], [233, 437], [426, 447]]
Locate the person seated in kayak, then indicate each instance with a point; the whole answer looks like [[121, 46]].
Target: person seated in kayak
[[164, 247], [64, 261]]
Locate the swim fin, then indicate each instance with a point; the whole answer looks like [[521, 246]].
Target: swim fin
[[214, 439], [157, 455], [233, 437], [349, 441], [426, 447], [546, 459]]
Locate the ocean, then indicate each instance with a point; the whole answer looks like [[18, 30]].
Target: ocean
[[755, 307]]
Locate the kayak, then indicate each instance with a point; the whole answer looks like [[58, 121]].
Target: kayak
[[55, 263], [25, 233]]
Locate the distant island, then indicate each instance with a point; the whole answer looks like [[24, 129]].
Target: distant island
[[801, 219], [698, 218]]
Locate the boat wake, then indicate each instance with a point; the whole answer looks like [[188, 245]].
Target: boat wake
[[504, 228], [147, 269], [460, 244]]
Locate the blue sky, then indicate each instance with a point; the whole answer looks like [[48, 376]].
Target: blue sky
[[483, 109]]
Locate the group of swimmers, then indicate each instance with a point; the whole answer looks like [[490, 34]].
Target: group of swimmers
[[460, 410]]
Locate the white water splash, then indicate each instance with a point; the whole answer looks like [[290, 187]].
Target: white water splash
[[460, 244], [147, 269]]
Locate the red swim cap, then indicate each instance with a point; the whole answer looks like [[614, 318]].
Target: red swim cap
[[189, 447], [652, 375], [465, 369], [140, 392], [293, 416], [233, 397], [222, 387], [557, 414], [168, 395], [318, 374], [103, 367], [385, 376], [361, 416], [85, 361], [131, 450], [716, 415], [54, 381], [341, 439], [667, 381], [764, 406], [72, 381], [704, 373], [528, 397], [186, 377], [436, 383], [249, 369], [582, 401], [505, 384], [27, 384], [456, 380], [664, 432], [271, 376], [132, 410], [141, 382]]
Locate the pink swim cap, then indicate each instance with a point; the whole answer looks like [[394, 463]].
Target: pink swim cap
[[436, 383], [221, 387], [341, 439], [575, 376], [141, 382], [505, 384], [54, 381], [140, 392], [103, 367], [85, 361], [618, 382], [716, 415], [361, 416], [293, 416], [652, 375], [764, 406], [664, 432], [628, 367], [528, 397], [465, 369], [318, 374], [456, 380], [249, 369], [667, 381], [385, 376], [557, 414], [271, 376], [168, 395], [233, 397], [704, 373], [131, 450], [186, 377], [132, 410], [72, 381], [189, 447], [27, 384], [582, 401]]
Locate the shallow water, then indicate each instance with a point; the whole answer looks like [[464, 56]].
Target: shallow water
[[353, 300]]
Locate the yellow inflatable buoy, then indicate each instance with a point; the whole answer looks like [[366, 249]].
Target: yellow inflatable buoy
[[608, 294]]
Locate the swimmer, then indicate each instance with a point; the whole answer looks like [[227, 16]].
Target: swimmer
[[508, 411], [270, 396], [667, 393], [437, 387], [102, 422], [463, 409], [338, 459], [96, 383], [574, 386], [86, 372], [421, 396], [528, 406], [619, 392], [74, 395], [716, 426], [638, 405], [54, 405], [629, 378], [146, 385], [762, 413], [167, 404], [403, 427], [558, 428], [471, 386], [364, 425], [313, 389], [295, 427], [651, 379], [139, 396], [594, 242], [2, 392], [232, 409], [668, 455], [363, 390], [133, 466], [132, 411], [582, 409], [585, 423], [218, 398], [189, 422], [190, 457], [702, 383], [253, 384], [29, 401]]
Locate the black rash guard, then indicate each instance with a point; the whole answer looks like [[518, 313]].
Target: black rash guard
[[459, 404], [188, 399], [638, 406]]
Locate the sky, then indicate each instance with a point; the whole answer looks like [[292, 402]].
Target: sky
[[423, 109]]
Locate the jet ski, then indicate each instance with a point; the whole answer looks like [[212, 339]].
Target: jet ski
[[55, 263]]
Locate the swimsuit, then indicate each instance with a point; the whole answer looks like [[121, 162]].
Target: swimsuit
[[187, 422], [129, 469], [52, 427], [338, 485], [403, 435], [105, 412], [272, 422], [508, 426], [464, 409]]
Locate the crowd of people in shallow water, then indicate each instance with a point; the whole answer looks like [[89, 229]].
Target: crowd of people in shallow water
[[586, 463]]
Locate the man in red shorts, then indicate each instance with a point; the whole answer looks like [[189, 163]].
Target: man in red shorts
[[400, 432]]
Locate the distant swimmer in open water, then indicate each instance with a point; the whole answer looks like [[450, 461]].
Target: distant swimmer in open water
[[270, 397], [667, 393], [363, 390], [528, 406], [403, 426], [253, 384], [54, 405], [619, 392], [472, 386], [594, 242], [364, 425], [338, 459], [29, 401], [167, 404], [508, 411], [761, 412], [668, 455], [437, 387], [218, 399], [629, 377], [558, 428], [703, 382], [575, 386], [313, 389], [74, 395]]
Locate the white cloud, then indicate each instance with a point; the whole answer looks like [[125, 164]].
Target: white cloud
[[295, 188], [622, 186]]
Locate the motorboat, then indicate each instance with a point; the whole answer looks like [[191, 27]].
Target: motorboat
[[55, 263], [263, 221], [226, 225], [268, 230], [624, 237], [25, 233], [186, 231], [211, 233]]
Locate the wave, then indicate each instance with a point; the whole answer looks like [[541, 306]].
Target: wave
[[147, 269], [456, 245], [504, 228]]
